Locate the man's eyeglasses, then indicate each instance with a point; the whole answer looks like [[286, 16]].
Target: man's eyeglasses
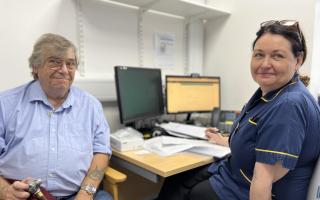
[[293, 24], [56, 63]]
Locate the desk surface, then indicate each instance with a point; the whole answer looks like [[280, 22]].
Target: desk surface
[[164, 166]]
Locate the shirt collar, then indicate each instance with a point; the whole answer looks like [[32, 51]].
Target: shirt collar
[[36, 93]]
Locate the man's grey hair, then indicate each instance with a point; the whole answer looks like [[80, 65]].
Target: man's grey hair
[[49, 44]]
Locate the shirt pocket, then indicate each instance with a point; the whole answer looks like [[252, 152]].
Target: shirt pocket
[[34, 153], [78, 137]]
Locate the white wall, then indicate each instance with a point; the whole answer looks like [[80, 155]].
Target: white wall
[[111, 39], [228, 43], [22, 22]]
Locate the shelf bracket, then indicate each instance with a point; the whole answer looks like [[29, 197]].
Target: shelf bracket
[[80, 28], [140, 38], [142, 10]]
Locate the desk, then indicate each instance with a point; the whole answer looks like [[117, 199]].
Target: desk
[[153, 166]]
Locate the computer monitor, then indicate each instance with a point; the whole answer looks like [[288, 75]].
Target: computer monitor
[[187, 94], [139, 93]]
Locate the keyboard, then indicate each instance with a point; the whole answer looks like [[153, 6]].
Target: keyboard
[[185, 129]]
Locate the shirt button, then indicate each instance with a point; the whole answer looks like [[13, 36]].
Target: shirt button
[[51, 174], [52, 148]]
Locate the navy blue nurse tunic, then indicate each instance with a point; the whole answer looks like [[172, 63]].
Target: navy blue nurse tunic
[[282, 126]]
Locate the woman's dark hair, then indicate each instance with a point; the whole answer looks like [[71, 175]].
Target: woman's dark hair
[[293, 34]]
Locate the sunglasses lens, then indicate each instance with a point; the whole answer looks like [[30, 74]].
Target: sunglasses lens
[[282, 22], [267, 23], [288, 22]]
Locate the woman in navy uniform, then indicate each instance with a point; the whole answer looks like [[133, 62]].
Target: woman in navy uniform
[[275, 142]]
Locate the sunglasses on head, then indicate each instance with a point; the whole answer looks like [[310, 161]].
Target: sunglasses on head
[[287, 23]]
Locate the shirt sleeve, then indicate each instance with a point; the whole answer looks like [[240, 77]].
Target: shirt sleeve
[[281, 135], [2, 130], [101, 143]]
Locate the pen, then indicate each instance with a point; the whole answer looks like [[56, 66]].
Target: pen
[[218, 133]]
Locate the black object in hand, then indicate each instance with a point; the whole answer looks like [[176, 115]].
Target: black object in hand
[[34, 189]]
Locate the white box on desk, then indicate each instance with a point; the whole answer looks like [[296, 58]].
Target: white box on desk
[[126, 139]]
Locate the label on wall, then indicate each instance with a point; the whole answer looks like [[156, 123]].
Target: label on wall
[[164, 49]]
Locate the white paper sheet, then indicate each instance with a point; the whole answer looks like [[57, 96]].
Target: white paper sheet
[[167, 145]]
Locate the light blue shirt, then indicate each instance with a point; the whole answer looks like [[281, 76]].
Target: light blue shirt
[[56, 146]]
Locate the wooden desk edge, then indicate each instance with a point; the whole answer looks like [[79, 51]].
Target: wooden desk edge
[[160, 172]]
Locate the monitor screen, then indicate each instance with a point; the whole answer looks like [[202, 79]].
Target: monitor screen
[[187, 94], [139, 93]]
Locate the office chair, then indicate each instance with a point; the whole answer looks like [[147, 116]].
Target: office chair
[[314, 185], [110, 182]]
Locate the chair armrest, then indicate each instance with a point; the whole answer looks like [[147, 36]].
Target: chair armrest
[[114, 176], [110, 182]]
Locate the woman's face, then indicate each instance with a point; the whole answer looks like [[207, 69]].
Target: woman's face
[[273, 63]]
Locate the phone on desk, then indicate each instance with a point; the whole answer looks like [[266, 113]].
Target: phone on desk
[[126, 139], [223, 119], [215, 117], [127, 132]]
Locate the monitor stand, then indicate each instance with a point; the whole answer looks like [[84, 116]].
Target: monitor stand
[[188, 120]]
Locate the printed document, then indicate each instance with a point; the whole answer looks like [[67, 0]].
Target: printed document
[[168, 145], [184, 129]]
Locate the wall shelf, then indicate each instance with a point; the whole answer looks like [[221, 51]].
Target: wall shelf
[[102, 87], [184, 8]]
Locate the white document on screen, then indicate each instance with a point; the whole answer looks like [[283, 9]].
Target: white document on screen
[[167, 145]]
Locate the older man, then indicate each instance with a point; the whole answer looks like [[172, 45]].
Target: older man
[[52, 131]]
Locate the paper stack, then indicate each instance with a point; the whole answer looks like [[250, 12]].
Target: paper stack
[[168, 145]]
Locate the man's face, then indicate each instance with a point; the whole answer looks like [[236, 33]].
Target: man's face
[[57, 74]]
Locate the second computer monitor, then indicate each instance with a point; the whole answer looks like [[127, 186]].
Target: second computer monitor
[[139, 93], [185, 94]]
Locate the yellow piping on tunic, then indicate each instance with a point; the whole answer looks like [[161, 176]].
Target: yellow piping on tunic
[[266, 100], [252, 122], [242, 173], [277, 152]]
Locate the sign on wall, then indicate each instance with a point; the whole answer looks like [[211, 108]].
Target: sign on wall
[[164, 49]]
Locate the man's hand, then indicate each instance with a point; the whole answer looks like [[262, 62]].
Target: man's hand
[[16, 191], [215, 137]]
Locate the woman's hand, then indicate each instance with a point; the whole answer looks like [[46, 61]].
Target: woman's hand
[[214, 136]]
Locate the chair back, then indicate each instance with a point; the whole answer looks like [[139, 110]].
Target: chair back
[[314, 186]]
